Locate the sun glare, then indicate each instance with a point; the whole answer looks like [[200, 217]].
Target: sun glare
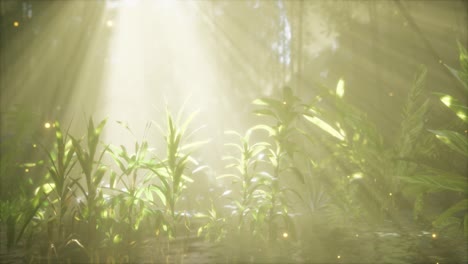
[[157, 55]]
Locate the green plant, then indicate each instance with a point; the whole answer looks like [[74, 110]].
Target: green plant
[[284, 154], [54, 197], [414, 144], [251, 205], [52, 203], [19, 163], [172, 171], [131, 199], [215, 227], [354, 167], [61, 164], [94, 171], [18, 215], [433, 180]]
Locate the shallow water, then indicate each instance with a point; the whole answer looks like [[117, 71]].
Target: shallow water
[[383, 246]]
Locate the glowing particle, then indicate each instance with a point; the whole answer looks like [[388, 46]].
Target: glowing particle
[[285, 235], [16, 24], [434, 235], [34, 146], [390, 94], [110, 23], [26, 170], [338, 257], [390, 194], [357, 235], [47, 125], [284, 102], [357, 175]]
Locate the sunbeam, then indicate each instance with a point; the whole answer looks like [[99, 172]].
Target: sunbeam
[[219, 131]]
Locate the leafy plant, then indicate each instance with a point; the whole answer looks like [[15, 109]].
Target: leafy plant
[[283, 154], [18, 215], [356, 173], [172, 170], [215, 227], [94, 171], [131, 199], [431, 179], [458, 143], [252, 203], [61, 164], [19, 161]]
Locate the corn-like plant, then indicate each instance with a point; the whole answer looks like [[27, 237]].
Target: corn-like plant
[[172, 171], [215, 227], [54, 198], [282, 155], [253, 196], [61, 163], [90, 161], [131, 199]]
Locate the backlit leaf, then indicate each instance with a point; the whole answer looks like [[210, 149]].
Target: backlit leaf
[[340, 88]]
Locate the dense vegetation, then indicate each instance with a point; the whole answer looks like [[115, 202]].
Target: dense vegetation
[[99, 202], [318, 176]]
